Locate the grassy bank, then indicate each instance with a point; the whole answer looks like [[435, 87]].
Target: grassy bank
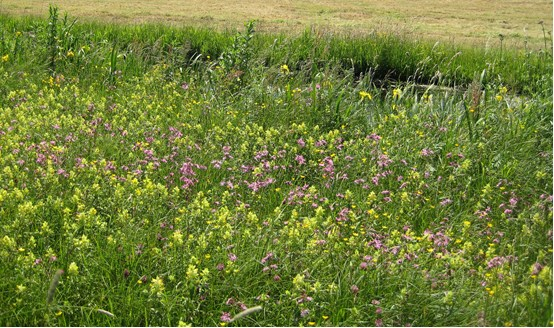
[[86, 49], [183, 176]]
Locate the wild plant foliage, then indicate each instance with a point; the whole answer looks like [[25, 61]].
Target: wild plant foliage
[[168, 177]]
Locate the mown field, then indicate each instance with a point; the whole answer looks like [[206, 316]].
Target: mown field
[[170, 176], [477, 22]]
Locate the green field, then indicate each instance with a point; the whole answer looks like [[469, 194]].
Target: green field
[[170, 175]]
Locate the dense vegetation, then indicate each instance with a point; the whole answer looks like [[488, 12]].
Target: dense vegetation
[[182, 176]]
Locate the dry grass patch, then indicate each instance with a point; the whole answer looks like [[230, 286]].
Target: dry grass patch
[[475, 21]]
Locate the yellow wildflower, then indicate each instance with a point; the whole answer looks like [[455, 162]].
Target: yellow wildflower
[[192, 272], [364, 94], [157, 285], [545, 275], [73, 269], [20, 288], [177, 237], [427, 98]]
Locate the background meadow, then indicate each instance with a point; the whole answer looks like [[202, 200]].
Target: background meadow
[[164, 176], [474, 22]]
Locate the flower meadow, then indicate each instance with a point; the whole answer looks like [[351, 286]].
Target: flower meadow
[[226, 189]]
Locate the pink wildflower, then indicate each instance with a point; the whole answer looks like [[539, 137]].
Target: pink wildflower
[[225, 317]]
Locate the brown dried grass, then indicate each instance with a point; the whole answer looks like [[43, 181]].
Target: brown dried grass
[[470, 21]]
